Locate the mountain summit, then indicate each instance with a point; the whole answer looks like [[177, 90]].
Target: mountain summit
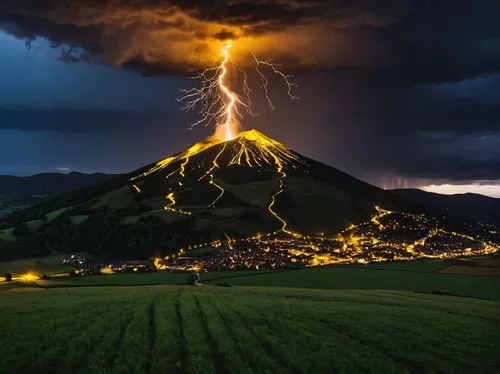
[[250, 148]]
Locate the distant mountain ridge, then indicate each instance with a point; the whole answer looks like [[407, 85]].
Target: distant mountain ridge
[[468, 206], [49, 184], [17, 193]]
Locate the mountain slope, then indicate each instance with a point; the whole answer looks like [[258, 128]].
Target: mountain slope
[[467, 207], [256, 172], [250, 202], [213, 190]]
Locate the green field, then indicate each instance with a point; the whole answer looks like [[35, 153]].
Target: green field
[[378, 318], [417, 276], [210, 329], [350, 278]]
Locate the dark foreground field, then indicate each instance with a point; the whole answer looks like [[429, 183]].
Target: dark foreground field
[[209, 329]]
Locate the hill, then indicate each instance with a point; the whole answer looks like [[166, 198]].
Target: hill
[[468, 207], [222, 194], [20, 192]]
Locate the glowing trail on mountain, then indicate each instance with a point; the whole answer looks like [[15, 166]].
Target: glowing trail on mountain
[[170, 206]]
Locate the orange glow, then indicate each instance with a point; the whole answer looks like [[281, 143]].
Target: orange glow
[[107, 270], [158, 264], [28, 277]]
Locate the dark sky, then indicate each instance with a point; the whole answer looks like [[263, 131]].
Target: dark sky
[[400, 94]]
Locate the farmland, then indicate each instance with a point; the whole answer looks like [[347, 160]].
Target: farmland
[[243, 329], [417, 276], [399, 317]]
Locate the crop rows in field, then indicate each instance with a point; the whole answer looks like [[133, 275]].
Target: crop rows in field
[[172, 329]]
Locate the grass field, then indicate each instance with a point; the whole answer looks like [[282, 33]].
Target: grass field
[[380, 318], [417, 276], [185, 329], [323, 278]]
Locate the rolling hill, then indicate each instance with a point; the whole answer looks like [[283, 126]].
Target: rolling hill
[[20, 192], [469, 206]]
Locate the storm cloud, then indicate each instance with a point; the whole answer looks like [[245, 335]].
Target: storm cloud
[[407, 40], [409, 89]]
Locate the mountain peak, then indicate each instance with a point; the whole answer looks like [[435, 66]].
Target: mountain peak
[[258, 137], [250, 148]]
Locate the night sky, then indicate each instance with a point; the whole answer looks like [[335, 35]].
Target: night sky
[[400, 93]]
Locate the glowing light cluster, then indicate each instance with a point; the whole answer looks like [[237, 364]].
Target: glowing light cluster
[[367, 242], [28, 277]]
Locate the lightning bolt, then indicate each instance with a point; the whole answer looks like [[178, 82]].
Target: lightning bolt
[[217, 104], [231, 96]]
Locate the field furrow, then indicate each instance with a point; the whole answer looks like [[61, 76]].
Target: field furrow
[[223, 330]]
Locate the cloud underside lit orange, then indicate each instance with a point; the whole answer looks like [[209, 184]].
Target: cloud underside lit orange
[[179, 37]]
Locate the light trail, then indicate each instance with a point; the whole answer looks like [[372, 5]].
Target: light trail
[[136, 188], [212, 182], [214, 162], [183, 165], [381, 213], [169, 207], [284, 224]]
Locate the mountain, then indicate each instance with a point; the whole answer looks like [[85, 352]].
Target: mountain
[[49, 184], [19, 192], [256, 176], [253, 193], [466, 207], [251, 184]]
